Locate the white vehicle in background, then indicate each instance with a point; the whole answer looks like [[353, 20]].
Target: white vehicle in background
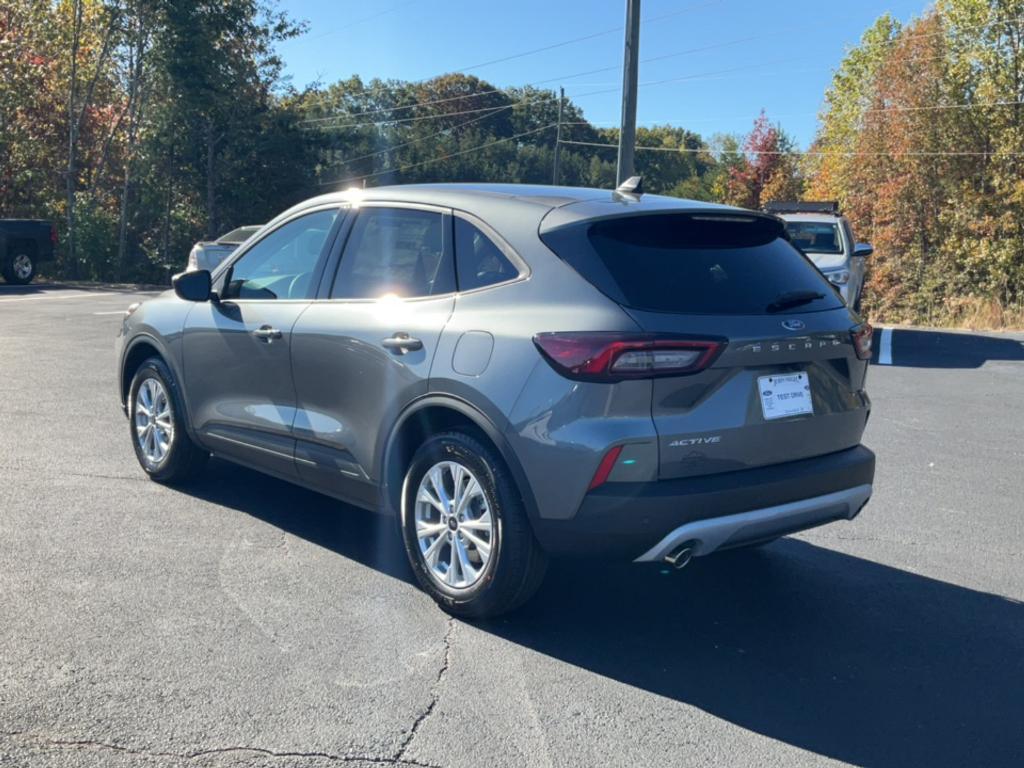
[[207, 254], [825, 235]]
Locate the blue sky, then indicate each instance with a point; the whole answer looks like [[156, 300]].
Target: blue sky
[[725, 59]]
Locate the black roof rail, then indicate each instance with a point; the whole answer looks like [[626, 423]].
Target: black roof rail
[[829, 206]]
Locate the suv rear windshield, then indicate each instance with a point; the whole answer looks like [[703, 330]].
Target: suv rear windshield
[[694, 264], [815, 236]]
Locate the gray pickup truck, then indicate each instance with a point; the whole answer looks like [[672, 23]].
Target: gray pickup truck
[[24, 244]]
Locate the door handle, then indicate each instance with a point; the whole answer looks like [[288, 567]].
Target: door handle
[[267, 334], [400, 343]]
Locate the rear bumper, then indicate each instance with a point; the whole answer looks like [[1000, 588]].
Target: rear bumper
[[643, 520], [706, 536]]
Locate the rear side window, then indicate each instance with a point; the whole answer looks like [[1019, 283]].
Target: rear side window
[[693, 264], [480, 262], [395, 251]]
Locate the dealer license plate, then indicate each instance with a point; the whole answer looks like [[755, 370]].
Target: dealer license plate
[[788, 394]]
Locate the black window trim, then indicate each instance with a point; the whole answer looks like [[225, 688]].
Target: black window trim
[[523, 271], [225, 268], [341, 242]]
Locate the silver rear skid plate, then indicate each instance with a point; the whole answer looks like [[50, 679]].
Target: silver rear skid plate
[[760, 524]]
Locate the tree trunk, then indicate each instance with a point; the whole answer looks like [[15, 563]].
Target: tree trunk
[[72, 171], [211, 182], [136, 102]]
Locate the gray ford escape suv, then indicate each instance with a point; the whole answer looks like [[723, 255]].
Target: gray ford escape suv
[[515, 372]]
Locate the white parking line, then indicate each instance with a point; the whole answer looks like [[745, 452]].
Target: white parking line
[[119, 312], [52, 297], [885, 347]]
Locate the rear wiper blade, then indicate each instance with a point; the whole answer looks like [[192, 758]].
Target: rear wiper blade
[[793, 299]]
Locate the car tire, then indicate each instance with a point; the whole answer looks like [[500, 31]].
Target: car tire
[[156, 423], [20, 268], [446, 546]]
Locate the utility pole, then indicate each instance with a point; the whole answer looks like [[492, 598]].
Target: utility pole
[[558, 137], [630, 70]]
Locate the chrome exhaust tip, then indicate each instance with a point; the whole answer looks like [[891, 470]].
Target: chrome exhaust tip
[[679, 557]]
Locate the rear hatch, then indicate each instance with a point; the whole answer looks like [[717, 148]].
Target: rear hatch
[[786, 380]]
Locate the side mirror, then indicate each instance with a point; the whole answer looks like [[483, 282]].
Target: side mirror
[[863, 250], [193, 286]]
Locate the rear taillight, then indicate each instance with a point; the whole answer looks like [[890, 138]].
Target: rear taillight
[[862, 335], [612, 356]]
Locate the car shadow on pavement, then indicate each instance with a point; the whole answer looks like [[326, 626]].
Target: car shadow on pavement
[[941, 349], [34, 289], [844, 657], [7, 289]]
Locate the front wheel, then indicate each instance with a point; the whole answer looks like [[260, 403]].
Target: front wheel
[[20, 269], [465, 529], [156, 420]]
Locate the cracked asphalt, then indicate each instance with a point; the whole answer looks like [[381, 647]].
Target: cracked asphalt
[[242, 621]]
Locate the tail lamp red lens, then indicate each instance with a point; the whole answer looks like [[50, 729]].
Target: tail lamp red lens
[[613, 356], [605, 467], [862, 336]]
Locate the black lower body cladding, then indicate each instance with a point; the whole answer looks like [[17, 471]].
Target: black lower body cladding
[[623, 520]]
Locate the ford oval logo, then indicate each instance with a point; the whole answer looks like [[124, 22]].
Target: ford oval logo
[[793, 325]]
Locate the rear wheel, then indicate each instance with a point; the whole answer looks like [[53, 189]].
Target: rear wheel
[[162, 444], [20, 268], [465, 529]]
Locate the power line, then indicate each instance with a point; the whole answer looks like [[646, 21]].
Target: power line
[[495, 110], [705, 75], [404, 168], [699, 75], [662, 57], [431, 117], [545, 95], [362, 20], [522, 54], [591, 36], [795, 153], [932, 107], [442, 132], [478, 94]]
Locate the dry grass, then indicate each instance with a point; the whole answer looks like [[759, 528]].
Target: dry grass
[[981, 314], [974, 313]]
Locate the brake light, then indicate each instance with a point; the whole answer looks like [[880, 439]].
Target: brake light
[[612, 356], [605, 467], [862, 335]]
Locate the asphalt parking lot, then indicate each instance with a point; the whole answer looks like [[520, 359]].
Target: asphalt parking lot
[[243, 621]]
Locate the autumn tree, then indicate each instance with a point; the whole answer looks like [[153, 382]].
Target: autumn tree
[[922, 142], [768, 170]]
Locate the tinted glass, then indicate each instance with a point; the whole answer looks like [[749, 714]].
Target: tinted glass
[[283, 264], [394, 251], [815, 237], [692, 264], [480, 262]]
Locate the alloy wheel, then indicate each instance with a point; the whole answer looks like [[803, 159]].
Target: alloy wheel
[[154, 421], [454, 526]]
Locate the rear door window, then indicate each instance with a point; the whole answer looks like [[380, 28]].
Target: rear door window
[[694, 264], [395, 252]]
